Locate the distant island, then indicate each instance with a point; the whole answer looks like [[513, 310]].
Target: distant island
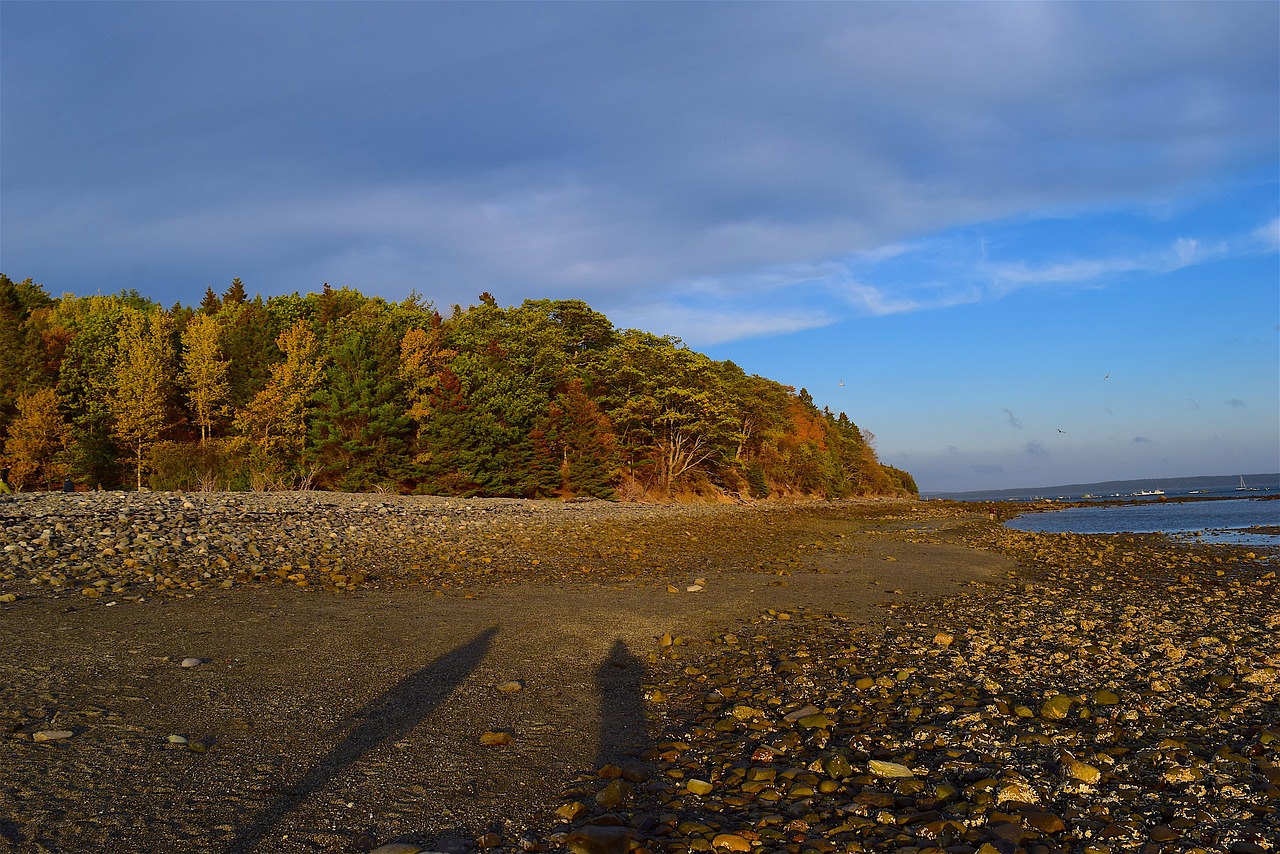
[[338, 391], [1209, 486]]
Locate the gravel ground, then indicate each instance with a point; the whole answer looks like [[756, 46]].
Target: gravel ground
[[314, 672]]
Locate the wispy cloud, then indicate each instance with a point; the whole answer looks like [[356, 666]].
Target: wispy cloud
[[1013, 420], [1036, 449], [1142, 440], [1235, 403]]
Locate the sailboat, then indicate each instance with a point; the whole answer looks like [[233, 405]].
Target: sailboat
[[1242, 487]]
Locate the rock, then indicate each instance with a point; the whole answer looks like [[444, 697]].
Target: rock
[[496, 738], [731, 842], [1056, 707], [614, 795], [597, 839], [889, 770], [511, 686], [698, 787], [192, 662], [398, 848], [1018, 791], [1104, 697], [52, 735]]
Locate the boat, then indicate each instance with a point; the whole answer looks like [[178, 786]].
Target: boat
[[1149, 492], [1243, 488]]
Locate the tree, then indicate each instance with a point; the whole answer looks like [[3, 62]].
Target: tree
[[575, 445], [360, 432], [37, 437], [670, 409], [275, 420], [22, 358], [140, 388], [204, 372]]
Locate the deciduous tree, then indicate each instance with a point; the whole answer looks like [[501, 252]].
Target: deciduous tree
[[141, 385], [204, 372], [37, 438]]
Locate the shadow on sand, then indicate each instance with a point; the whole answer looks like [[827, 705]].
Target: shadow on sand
[[388, 718], [624, 731]]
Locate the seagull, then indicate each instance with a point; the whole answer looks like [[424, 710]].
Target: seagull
[[1060, 430], [842, 383], [1107, 377]]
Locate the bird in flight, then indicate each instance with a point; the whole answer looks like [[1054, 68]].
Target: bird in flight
[[1060, 430], [1107, 377]]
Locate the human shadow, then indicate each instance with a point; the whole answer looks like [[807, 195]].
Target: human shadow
[[389, 717], [624, 730]]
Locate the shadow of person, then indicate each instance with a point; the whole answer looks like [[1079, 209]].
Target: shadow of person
[[389, 717], [624, 731]]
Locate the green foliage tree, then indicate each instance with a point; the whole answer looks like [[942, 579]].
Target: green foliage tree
[[671, 412], [360, 432], [86, 382], [139, 400]]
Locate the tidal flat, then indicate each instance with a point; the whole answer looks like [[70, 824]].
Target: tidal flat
[[302, 672]]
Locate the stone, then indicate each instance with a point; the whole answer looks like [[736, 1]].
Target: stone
[[496, 738], [511, 686], [51, 735], [731, 842], [598, 839], [889, 770], [698, 787], [1056, 707]]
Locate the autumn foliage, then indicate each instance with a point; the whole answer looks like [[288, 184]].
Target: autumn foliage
[[336, 390]]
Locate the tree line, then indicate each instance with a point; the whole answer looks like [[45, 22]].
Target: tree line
[[336, 390]]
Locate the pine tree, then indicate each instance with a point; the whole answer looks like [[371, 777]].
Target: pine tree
[[360, 431]]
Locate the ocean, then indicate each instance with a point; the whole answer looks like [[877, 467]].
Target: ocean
[[1253, 522]]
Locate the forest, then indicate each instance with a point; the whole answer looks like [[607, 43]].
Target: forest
[[339, 391]]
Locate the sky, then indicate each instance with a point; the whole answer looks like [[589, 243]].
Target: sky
[[1023, 244]]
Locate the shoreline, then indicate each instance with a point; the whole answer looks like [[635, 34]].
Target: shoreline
[[310, 718]]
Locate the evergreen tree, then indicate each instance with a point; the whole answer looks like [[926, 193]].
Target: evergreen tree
[[360, 431]]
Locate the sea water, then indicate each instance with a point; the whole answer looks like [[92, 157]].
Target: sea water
[[1234, 521]]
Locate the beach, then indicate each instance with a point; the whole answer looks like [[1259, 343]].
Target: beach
[[322, 672]]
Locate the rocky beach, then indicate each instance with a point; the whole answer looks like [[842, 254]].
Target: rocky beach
[[303, 672]]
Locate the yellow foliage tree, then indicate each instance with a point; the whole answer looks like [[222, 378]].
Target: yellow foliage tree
[[35, 439], [204, 372], [139, 398], [275, 420]]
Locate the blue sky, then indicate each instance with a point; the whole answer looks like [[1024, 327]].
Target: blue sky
[[1022, 243]]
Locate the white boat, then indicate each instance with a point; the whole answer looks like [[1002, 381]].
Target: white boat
[[1242, 487], [1149, 492]]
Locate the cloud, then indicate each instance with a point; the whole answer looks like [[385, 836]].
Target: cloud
[[1036, 449], [1235, 403], [1142, 440], [433, 146], [1013, 420]]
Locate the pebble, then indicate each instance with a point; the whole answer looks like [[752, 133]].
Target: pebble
[[51, 735], [1099, 705]]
